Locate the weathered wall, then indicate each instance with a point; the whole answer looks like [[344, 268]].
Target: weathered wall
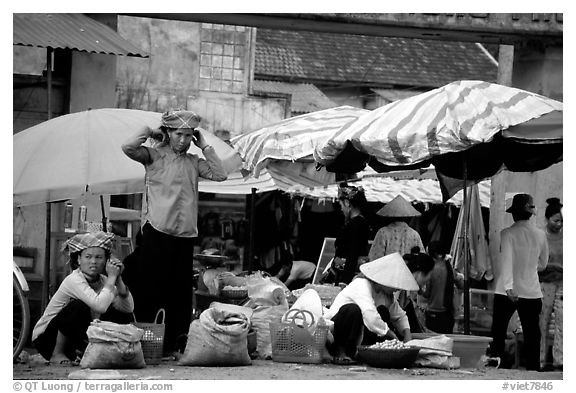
[[236, 113], [198, 66], [92, 81]]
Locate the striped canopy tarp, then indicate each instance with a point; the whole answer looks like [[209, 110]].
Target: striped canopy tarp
[[452, 119], [292, 139], [384, 189], [412, 185]]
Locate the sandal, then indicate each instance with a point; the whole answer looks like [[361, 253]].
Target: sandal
[[343, 361], [65, 363]]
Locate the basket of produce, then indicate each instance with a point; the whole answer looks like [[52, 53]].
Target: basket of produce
[[153, 339], [297, 338], [234, 292], [388, 354]]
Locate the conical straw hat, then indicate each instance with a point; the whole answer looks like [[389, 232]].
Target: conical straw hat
[[398, 207], [390, 271]]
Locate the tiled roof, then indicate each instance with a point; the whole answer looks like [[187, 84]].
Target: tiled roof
[[306, 98], [370, 60], [393, 94], [70, 31]]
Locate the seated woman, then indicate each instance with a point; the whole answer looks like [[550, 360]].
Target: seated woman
[[85, 294], [366, 311], [413, 302]]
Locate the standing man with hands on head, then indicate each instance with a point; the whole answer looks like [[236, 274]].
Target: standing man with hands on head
[[523, 252], [163, 278]]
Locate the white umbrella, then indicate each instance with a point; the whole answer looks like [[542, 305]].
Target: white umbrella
[[80, 154]]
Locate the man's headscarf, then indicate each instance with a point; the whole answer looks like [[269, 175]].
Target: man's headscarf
[[180, 119], [83, 241]]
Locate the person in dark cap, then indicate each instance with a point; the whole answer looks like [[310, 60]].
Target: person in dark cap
[[523, 252], [170, 217]]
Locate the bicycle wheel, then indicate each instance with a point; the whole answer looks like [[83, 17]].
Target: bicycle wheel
[[21, 318]]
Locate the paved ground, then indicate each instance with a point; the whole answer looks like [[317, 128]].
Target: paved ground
[[269, 370]]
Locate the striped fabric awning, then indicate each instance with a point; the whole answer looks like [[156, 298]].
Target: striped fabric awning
[[292, 139], [378, 187], [449, 119]]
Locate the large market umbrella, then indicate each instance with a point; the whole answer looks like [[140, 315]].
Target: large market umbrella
[[80, 154], [469, 130], [287, 146], [485, 125]]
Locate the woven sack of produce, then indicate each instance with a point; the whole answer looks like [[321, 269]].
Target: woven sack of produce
[[217, 338], [112, 345]]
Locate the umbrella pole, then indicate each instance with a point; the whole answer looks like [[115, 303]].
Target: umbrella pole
[[466, 300], [47, 252], [252, 231], [104, 219]]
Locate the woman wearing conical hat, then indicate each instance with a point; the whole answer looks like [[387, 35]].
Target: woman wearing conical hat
[[397, 236], [366, 311]]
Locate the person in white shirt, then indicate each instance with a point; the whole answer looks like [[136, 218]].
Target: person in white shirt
[[523, 252], [85, 294], [367, 311]]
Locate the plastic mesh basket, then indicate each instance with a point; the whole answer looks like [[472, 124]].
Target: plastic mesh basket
[[292, 343], [153, 340]]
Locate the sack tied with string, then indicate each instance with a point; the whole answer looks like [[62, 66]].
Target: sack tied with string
[[217, 338], [113, 345]]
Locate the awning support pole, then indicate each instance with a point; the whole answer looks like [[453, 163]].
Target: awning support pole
[[252, 231], [466, 206]]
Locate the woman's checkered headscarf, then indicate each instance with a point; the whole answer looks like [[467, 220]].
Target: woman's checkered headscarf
[[83, 241], [179, 119]]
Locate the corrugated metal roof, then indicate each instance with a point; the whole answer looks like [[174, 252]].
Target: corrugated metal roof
[[71, 31], [306, 98]]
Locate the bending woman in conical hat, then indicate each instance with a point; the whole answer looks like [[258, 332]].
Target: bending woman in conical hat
[[366, 310], [93, 290]]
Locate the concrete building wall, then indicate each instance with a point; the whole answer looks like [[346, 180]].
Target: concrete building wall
[[92, 81], [203, 67]]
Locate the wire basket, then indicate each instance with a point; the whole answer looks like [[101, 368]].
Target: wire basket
[[153, 340], [387, 357], [292, 343]]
